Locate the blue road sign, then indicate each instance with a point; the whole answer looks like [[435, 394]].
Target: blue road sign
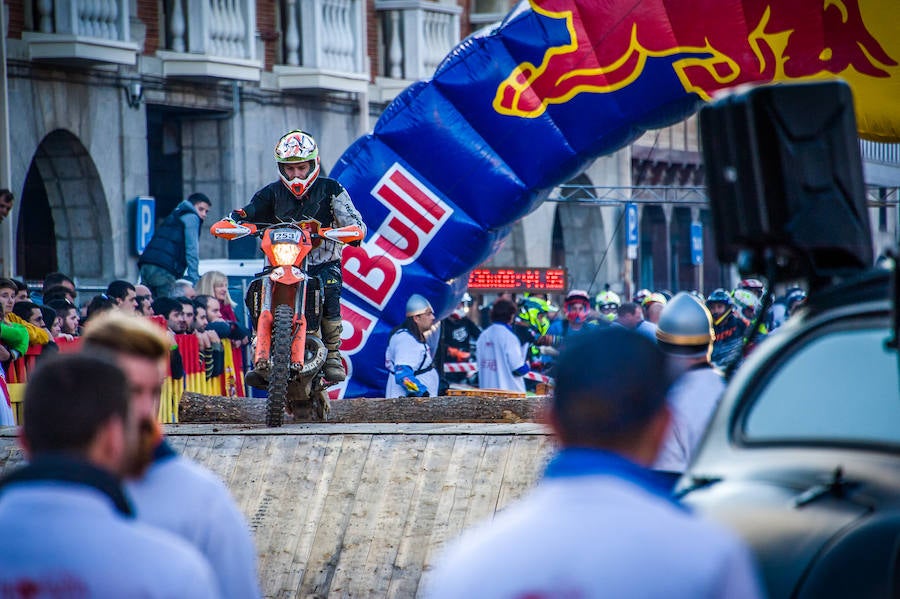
[[696, 244], [632, 235], [144, 222]]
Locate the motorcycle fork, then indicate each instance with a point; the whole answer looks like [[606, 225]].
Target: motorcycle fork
[[298, 342], [264, 324]]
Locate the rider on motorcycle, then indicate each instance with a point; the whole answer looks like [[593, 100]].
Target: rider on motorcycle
[[303, 195]]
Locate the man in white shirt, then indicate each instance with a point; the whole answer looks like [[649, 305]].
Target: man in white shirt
[[501, 357], [170, 491], [68, 527], [599, 524]]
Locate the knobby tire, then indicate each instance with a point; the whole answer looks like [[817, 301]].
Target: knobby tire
[[281, 365]]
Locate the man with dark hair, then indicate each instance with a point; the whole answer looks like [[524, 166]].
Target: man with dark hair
[[54, 279], [124, 295], [174, 249], [6, 203], [599, 523], [501, 357], [30, 313], [59, 292], [170, 490], [68, 312], [66, 520]]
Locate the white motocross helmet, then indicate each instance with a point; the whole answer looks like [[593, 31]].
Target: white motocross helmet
[[294, 147]]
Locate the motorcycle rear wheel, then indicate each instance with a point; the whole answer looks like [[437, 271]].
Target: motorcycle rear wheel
[[281, 365]]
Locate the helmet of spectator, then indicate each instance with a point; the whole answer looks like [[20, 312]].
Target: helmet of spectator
[[719, 296], [608, 303], [754, 285], [640, 295], [745, 301], [685, 327], [417, 304], [654, 298]]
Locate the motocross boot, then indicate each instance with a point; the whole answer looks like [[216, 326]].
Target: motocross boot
[[331, 337]]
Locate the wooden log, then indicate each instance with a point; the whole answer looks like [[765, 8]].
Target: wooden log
[[197, 408]]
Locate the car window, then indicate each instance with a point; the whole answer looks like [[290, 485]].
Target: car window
[[842, 386]]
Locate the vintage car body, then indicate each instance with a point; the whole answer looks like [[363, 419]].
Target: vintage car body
[[802, 457]]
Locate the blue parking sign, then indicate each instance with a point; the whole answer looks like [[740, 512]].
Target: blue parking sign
[[696, 244], [144, 222], [632, 234]]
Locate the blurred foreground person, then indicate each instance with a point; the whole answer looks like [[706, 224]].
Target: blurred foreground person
[[598, 524], [68, 528], [169, 490]]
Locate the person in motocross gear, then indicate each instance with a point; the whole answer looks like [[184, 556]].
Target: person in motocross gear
[[531, 325], [729, 330], [608, 303], [458, 336], [408, 359], [753, 285], [747, 304], [303, 194]]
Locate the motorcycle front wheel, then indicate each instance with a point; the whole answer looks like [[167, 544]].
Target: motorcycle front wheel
[[281, 365]]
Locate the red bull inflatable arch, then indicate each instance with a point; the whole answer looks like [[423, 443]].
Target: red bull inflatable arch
[[525, 105]]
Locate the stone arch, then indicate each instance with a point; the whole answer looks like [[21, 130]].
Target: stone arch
[[78, 206], [589, 258]]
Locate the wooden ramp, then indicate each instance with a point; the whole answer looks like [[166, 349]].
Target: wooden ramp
[[357, 510]]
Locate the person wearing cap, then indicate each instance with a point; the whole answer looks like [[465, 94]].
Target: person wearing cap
[[458, 336], [174, 249], [598, 524], [501, 357], [409, 358], [685, 334]]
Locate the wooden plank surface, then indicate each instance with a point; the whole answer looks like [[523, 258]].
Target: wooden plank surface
[[360, 509]]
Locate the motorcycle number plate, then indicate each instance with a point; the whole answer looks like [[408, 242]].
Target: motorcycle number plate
[[293, 236]]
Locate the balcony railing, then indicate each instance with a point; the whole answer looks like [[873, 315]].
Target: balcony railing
[[81, 31], [417, 35], [880, 152], [324, 45], [210, 38]]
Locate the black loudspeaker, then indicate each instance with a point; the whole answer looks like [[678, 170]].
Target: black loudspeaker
[[785, 180]]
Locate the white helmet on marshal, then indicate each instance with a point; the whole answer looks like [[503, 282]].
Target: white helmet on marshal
[[417, 304]]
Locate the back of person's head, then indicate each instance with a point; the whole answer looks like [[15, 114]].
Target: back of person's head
[[61, 305], [99, 304], [49, 315], [56, 278], [59, 292], [119, 289], [503, 311], [181, 288], [69, 397], [24, 310], [610, 383], [627, 309], [126, 334], [197, 198]]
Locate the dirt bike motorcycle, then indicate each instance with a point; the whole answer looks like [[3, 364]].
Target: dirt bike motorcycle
[[289, 350]]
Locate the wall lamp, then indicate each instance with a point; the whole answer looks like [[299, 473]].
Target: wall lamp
[[134, 94]]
